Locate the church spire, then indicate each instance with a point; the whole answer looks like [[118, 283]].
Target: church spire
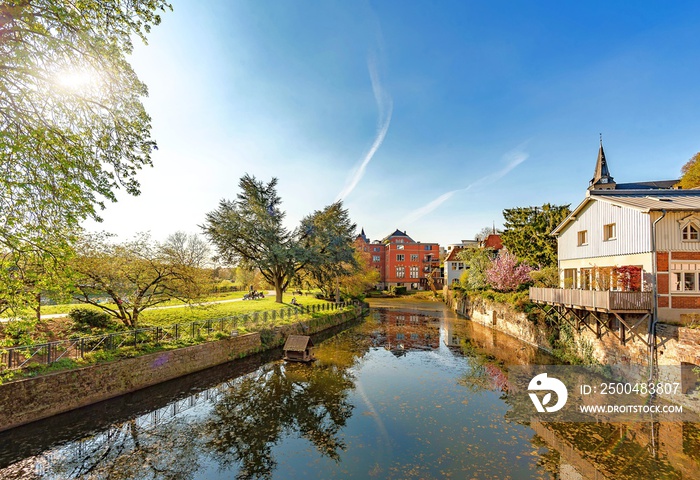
[[601, 177]]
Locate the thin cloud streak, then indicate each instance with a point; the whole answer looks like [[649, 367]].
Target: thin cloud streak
[[514, 158], [386, 107]]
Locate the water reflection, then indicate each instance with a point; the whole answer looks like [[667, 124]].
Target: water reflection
[[408, 393], [276, 402]]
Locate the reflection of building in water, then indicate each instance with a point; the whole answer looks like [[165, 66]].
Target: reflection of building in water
[[623, 451], [402, 331]]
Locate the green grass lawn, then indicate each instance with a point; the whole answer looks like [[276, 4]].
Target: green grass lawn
[[189, 314], [67, 307]]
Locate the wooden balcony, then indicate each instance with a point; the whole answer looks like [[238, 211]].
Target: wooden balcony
[[601, 301]]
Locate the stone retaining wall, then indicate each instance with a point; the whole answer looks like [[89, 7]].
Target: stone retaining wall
[[676, 345], [32, 399]]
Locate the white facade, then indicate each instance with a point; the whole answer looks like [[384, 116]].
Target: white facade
[[452, 266], [632, 232], [615, 230]]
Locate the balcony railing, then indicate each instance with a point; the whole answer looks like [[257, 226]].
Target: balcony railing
[[593, 299]]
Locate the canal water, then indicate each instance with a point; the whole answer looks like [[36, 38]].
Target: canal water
[[411, 391]]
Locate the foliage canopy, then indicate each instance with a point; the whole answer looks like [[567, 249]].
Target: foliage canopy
[[72, 126], [528, 231], [139, 274], [691, 173]]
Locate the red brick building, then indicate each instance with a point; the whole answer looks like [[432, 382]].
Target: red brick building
[[401, 261]]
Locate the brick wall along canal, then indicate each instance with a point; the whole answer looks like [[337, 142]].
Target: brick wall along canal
[[411, 392]]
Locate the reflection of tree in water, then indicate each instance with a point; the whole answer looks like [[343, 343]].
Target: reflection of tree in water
[[484, 372], [167, 452], [279, 400]]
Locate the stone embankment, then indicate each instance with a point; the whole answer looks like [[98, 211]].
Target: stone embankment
[[676, 346], [32, 399]]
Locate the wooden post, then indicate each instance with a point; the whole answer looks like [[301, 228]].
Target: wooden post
[[621, 327]]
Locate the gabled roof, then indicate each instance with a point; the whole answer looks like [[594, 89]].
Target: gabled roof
[[397, 233], [297, 343], [644, 201], [493, 241], [452, 256]]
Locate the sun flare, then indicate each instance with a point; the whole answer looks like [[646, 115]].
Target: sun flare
[[76, 79]]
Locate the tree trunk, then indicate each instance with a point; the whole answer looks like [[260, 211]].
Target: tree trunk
[[278, 290]]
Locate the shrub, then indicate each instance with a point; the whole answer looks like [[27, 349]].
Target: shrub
[[547, 277], [88, 318], [398, 290]]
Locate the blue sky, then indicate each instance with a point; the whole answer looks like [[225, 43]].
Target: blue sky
[[429, 117]]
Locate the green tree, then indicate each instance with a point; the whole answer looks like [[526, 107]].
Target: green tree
[[528, 231], [691, 173], [364, 278], [477, 261], [139, 274], [250, 232], [72, 126], [328, 249]]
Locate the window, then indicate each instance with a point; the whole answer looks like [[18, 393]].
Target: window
[[428, 247], [414, 271], [414, 257], [454, 265], [399, 257], [399, 247], [460, 266], [376, 249], [684, 277], [570, 278], [586, 278], [609, 232], [583, 237], [376, 258], [400, 271], [399, 240], [691, 233]]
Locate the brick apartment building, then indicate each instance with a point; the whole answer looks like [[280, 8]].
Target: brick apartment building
[[401, 261]]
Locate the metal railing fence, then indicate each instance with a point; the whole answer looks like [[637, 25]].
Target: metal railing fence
[[25, 356]]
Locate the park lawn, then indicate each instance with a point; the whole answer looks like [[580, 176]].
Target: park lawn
[[155, 317], [67, 307]]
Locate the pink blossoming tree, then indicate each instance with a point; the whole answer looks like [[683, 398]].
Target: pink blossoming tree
[[505, 275]]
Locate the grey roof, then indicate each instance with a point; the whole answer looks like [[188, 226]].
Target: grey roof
[[652, 200], [643, 200], [397, 233], [297, 343], [656, 185]]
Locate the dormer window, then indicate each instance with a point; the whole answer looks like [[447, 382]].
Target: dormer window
[[690, 229], [690, 233]]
